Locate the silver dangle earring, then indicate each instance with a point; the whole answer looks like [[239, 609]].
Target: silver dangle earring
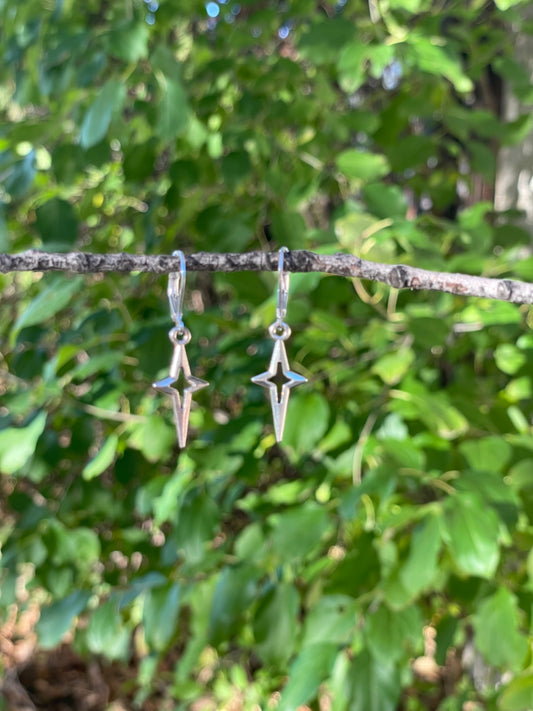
[[279, 378], [180, 383]]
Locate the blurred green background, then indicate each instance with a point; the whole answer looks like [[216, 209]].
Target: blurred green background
[[379, 559]]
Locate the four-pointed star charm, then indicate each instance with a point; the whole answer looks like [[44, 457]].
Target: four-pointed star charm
[[279, 379], [181, 401]]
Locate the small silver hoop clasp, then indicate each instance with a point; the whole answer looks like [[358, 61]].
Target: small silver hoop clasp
[[279, 330], [179, 335], [176, 290]]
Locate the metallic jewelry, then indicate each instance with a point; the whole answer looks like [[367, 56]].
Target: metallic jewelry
[[180, 384], [279, 378]]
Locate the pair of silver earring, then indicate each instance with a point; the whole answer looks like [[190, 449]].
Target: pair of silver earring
[[180, 384]]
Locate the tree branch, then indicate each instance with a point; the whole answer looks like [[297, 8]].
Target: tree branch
[[396, 275]]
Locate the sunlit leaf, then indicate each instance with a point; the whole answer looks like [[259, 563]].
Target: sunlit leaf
[[17, 444], [102, 460], [518, 694], [56, 295], [362, 166], [497, 619], [130, 41], [472, 535], [307, 421], [98, 117]]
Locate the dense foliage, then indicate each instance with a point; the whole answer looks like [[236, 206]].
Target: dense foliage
[[379, 558]]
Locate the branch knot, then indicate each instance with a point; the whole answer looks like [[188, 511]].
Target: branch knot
[[399, 277]]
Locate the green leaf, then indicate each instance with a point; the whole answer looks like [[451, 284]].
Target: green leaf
[[504, 5], [472, 532], [57, 223], [17, 444], [306, 673], [139, 161], [276, 623], [98, 117], [438, 60], [160, 615], [152, 579], [421, 566], [163, 58], [515, 132], [375, 684], [358, 165], [392, 367], [520, 476], [446, 628], [380, 56], [325, 38], [307, 421], [85, 546], [388, 631], [56, 619], [351, 67], [158, 439], [508, 358], [483, 159], [101, 363], [101, 461], [20, 175], [412, 6], [385, 200], [490, 454], [4, 232], [55, 296], [289, 228], [236, 167], [332, 619], [71, 546], [198, 517], [433, 408], [234, 591], [405, 454], [106, 633], [295, 533], [411, 152], [393, 428], [496, 631], [518, 694], [350, 228], [173, 111], [130, 42], [167, 500]]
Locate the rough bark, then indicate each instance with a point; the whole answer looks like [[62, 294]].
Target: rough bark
[[398, 276], [514, 177]]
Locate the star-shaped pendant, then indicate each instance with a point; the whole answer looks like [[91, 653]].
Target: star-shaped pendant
[[279, 379], [181, 401]]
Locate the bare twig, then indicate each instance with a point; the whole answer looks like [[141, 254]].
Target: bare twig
[[398, 276]]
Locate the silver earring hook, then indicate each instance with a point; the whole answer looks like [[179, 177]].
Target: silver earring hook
[[176, 290], [283, 286]]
